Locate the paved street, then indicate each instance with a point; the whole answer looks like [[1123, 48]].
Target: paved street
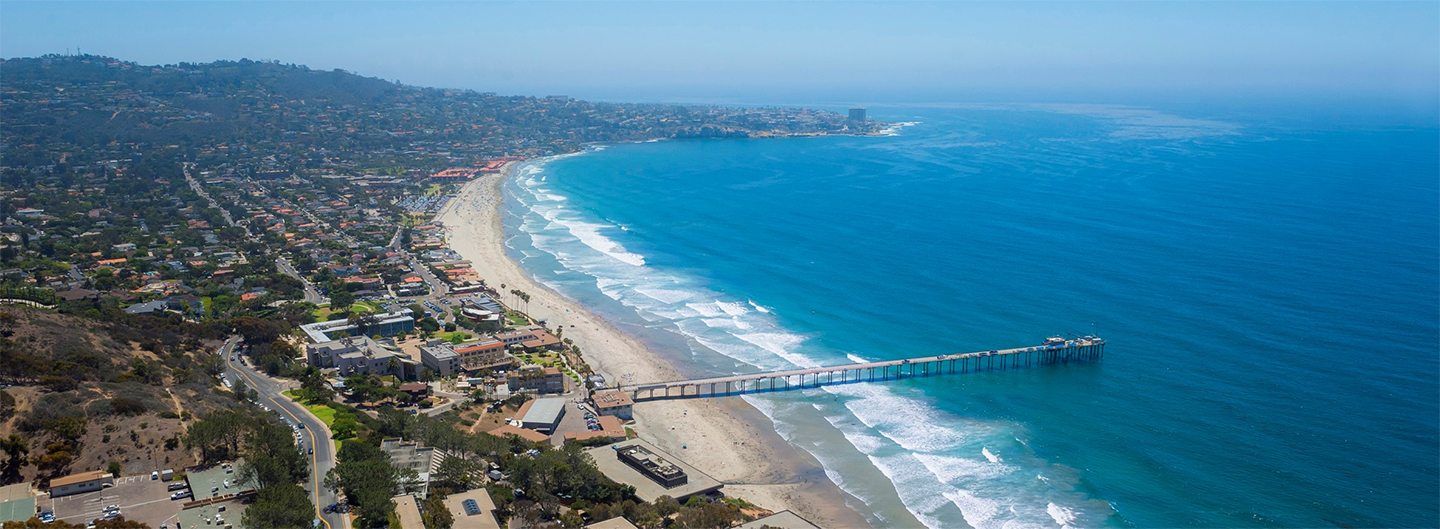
[[316, 434], [312, 294]]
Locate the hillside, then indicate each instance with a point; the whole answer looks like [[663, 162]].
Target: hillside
[[53, 103], [87, 393]]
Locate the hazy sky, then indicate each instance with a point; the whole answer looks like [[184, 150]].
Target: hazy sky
[[934, 51]]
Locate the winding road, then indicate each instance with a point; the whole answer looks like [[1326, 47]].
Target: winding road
[[323, 458]]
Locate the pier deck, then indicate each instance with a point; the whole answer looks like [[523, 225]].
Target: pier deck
[[1054, 351]]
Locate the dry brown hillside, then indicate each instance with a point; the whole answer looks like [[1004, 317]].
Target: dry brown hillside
[[87, 393]]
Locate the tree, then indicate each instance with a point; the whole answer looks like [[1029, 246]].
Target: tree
[[15, 451], [271, 457], [457, 472], [313, 387], [341, 299], [344, 426], [218, 436], [436, 515], [283, 506], [711, 514], [242, 391], [257, 331], [368, 480]]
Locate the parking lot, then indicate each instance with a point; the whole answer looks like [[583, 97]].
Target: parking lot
[[573, 421], [140, 498]]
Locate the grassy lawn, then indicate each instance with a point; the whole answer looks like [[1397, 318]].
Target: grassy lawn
[[325, 413], [447, 336], [323, 312]]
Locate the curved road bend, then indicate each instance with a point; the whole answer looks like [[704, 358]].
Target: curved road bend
[[324, 457]]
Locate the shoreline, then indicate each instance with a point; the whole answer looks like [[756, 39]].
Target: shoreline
[[725, 438]]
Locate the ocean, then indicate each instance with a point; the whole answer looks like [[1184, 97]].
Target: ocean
[[1268, 285]]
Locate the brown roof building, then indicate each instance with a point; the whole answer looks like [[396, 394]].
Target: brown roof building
[[614, 402], [80, 483], [528, 435]]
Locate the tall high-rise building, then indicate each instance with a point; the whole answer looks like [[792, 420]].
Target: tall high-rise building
[[857, 114]]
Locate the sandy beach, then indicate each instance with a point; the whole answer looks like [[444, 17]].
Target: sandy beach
[[725, 438]]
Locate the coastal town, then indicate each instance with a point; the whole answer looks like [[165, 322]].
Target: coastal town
[[292, 281]]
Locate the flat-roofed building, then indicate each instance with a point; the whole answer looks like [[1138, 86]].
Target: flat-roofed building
[[362, 354], [384, 324], [412, 456], [653, 466], [536, 379], [17, 503], [488, 353], [219, 513], [515, 337], [542, 415], [441, 359], [219, 481], [408, 512], [608, 459], [80, 483], [610, 428], [780, 520], [446, 359], [613, 523], [614, 402], [472, 509]]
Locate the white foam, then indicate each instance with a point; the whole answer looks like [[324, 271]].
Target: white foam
[[990, 455], [665, 295], [906, 421], [894, 130], [1063, 517], [951, 469], [782, 344], [978, 512], [758, 307], [708, 310], [589, 234], [855, 359]]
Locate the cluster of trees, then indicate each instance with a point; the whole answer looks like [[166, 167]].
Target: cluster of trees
[[263, 344], [272, 462], [366, 477], [219, 435]]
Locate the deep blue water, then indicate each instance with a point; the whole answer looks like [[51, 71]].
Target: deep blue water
[[1269, 287]]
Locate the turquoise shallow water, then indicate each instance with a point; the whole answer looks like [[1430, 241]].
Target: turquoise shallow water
[[1269, 287]]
